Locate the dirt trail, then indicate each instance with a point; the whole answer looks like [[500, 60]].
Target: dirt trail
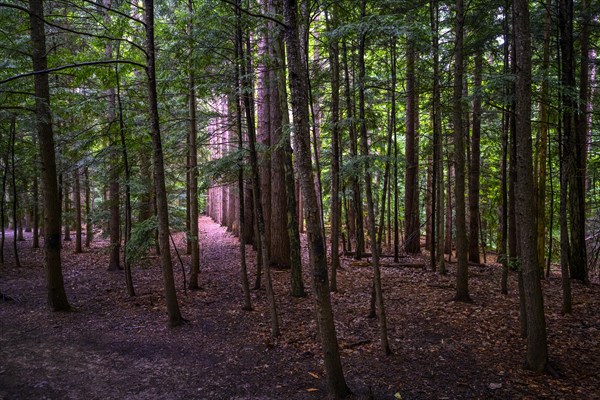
[[116, 347]]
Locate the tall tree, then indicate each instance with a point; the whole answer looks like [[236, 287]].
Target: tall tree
[[474, 165], [335, 213], [537, 351], [412, 236], [175, 317], [57, 298], [193, 163], [316, 242], [364, 145], [462, 267]]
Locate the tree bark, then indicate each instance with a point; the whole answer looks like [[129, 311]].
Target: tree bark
[[57, 298], [175, 317], [412, 234], [77, 197], [462, 273], [316, 243], [474, 170], [537, 351], [364, 144], [193, 172]]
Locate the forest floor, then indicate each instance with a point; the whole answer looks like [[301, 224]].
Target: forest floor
[[117, 347]]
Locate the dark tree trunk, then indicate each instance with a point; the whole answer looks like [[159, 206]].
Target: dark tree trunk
[[77, 197], [256, 193], [128, 219], [357, 208], [438, 166], [475, 162], [66, 213], [537, 351], [462, 272], [316, 242], [159, 173], [57, 298], [334, 61], [280, 240], [15, 200], [193, 170], [239, 68], [36, 208], [364, 144], [89, 233], [412, 234]]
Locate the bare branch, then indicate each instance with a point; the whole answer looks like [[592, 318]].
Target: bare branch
[[62, 67], [250, 13]]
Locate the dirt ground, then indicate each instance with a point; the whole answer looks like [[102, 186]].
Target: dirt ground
[[116, 347]]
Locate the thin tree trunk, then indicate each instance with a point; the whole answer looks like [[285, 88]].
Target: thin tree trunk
[[543, 146], [369, 191], [412, 236], [159, 173], [128, 219], [316, 242], [13, 134], [36, 208], [354, 182], [239, 56], [474, 170], [3, 203], [57, 298], [334, 61], [504, 253], [193, 171], [77, 195], [89, 233], [258, 212], [438, 166]]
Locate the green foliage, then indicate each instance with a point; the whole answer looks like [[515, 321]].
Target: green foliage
[[142, 239]]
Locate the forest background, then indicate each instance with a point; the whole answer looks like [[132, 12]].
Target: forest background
[[426, 133]]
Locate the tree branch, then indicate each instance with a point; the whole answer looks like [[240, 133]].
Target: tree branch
[[250, 13], [20, 8], [62, 67]]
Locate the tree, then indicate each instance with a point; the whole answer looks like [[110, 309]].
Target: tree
[[537, 351], [316, 242], [412, 235], [462, 268], [57, 298], [175, 317]]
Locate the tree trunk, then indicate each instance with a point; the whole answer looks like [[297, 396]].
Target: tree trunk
[[354, 182], [159, 173], [412, 234], [128, 219], [462, 272], [316, 243], [66, 213], [89, 233], [193, 173], [475, 162], [537, 351], [256, 192], [438, 166], [364, 144], [543, 146], [36, 208], [334, 61], [13, 134], [57, 298], [280, 241], [77, 198]]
